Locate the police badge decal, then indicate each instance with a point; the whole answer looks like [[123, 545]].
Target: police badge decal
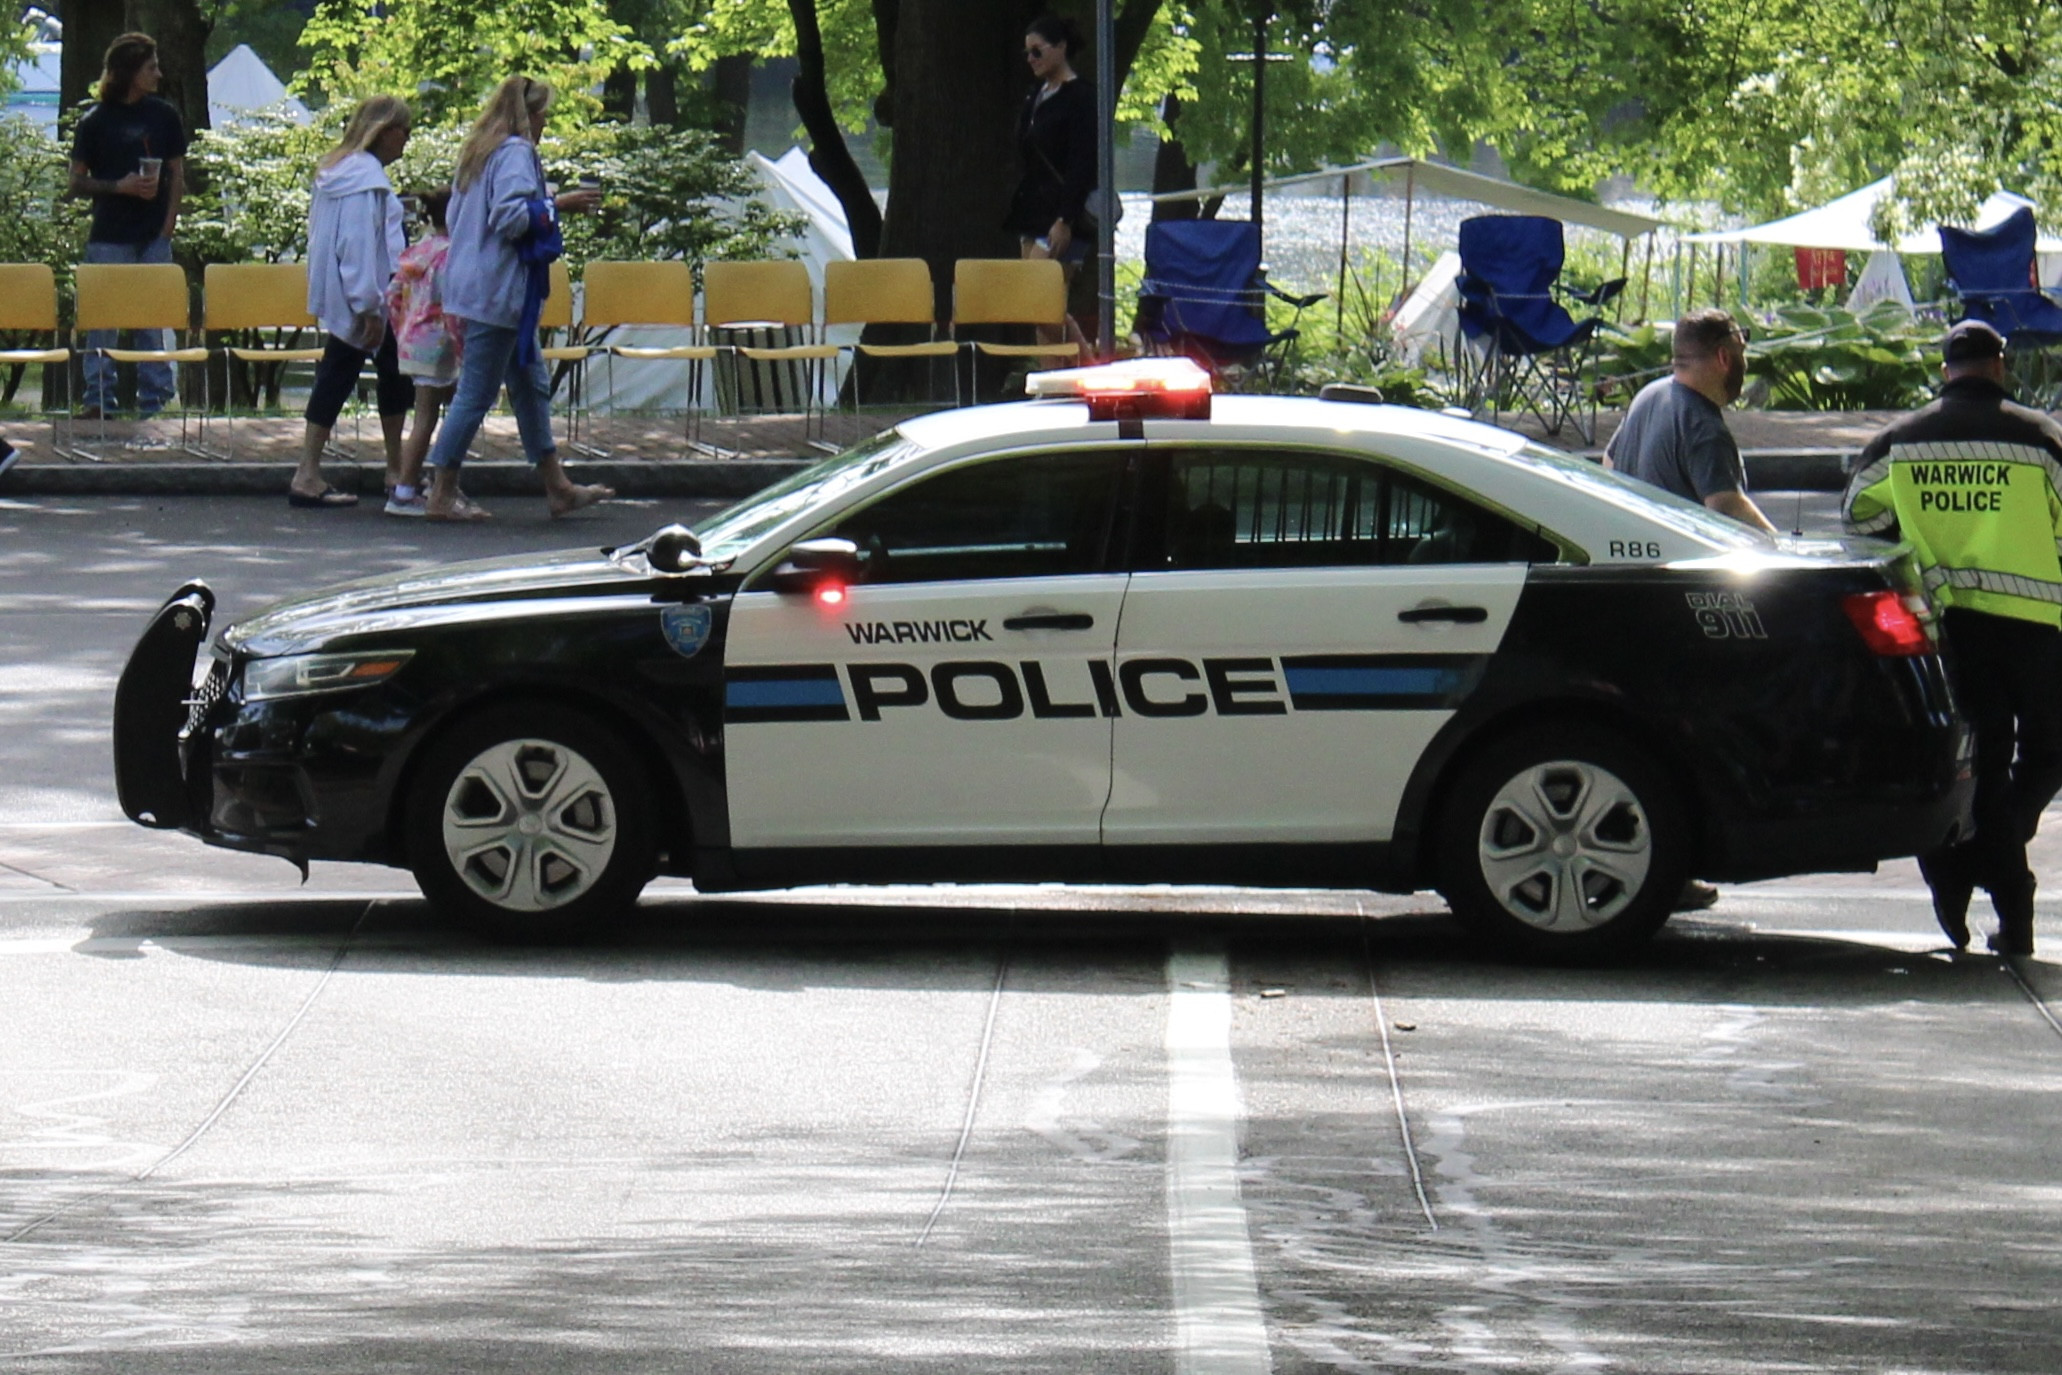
[[686, 628]]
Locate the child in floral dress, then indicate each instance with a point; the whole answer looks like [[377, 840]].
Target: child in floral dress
[[428, 345]]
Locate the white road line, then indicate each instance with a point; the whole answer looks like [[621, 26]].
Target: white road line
[[1218, 1325]]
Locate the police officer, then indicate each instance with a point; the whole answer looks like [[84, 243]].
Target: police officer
[[1974, 483]]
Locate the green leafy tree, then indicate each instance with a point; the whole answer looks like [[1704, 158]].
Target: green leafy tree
[[447, 56]]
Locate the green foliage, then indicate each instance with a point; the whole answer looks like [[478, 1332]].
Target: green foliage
[[1629, 357], [1830, 359], [446, 55], [251, 190], [271, 28], [39, 223]]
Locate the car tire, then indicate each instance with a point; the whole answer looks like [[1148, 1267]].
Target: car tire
[[531, 820], [1564, 841]]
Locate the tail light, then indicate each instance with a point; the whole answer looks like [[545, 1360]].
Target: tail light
[[1888, 623]]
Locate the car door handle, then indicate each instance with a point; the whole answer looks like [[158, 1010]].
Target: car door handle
[[1460, 615], [1051, 620]]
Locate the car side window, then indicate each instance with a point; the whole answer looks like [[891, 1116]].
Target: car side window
[[1026, 516], [1265, 509]]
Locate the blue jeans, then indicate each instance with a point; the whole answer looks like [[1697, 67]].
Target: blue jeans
[[490, 361], [155, 387]]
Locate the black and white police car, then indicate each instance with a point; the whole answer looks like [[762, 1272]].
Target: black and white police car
[[1128, 632]]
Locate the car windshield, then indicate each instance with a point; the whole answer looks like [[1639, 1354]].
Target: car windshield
[[731, 532], [1699, 522]]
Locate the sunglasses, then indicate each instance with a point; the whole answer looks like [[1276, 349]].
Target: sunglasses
[[1034, 51]]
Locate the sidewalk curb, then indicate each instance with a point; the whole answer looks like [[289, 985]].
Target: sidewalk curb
[[688, 477]]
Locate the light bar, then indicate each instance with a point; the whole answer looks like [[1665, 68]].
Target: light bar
[[1173, 388]]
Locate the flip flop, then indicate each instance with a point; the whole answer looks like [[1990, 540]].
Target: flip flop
[[328, 496], [579, 497], [462, 512]]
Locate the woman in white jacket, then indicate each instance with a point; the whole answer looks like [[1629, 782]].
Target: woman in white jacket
[[498, 200], [354, 243]]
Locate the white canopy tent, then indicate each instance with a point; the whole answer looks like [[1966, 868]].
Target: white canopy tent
[[241, 83], [1843, 223]]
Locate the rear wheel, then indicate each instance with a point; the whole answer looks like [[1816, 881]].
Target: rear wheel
[[1563, 841], [532, 820]]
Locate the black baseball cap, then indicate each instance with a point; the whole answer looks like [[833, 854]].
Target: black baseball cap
[[1972, 341]]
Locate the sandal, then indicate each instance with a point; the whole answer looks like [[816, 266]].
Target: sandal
[[464, 511], [577, 496], [328, 496]]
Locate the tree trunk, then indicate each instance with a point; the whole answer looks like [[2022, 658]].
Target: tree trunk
[[731, 81], [1172, 170], [619, 94], [89, 26], [829, 158]]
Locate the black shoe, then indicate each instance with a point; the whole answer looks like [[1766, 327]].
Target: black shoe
[[91, 413], [1951, 910], [1696, 897], [2014, 906], [2010, 944]]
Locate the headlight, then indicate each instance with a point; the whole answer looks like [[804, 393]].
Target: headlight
[[297, 675]]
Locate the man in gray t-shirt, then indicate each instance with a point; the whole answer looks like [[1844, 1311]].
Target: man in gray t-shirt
[[1675, 435]]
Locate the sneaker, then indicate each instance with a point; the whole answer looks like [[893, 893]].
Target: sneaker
[[9, 456], [414, 507]]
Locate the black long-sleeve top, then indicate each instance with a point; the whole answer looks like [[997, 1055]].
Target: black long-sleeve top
[[1056, 140]]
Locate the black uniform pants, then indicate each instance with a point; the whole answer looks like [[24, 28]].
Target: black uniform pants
[[2008, 678]]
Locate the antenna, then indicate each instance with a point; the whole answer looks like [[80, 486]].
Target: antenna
[[1797, 512]]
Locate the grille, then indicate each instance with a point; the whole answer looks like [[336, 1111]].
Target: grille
[[204, 697]]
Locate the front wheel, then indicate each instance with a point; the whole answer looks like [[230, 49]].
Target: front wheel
[[1564, 841], [532, 820]]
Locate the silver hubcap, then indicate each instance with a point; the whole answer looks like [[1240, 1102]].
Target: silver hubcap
[[1565, 846], [529, 825]]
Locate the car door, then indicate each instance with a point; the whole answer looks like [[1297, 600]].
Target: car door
[[1306, 624], [960, 693]]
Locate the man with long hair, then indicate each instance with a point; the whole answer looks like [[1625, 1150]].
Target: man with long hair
[[129, 155]]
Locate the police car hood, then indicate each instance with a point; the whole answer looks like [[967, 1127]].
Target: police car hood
[[447, 593]]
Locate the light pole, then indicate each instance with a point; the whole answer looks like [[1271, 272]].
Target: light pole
[[1106, 177]]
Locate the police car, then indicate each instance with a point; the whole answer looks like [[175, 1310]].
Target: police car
[[1122, 632]]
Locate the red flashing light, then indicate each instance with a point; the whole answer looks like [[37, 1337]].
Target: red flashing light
[[831, 594], [1888, 625], [1133, 389]]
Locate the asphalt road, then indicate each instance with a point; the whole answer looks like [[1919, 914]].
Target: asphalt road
[[247, 1124]]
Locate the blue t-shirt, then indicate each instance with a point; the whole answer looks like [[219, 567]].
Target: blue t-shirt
[[112, 141], [1675, 438]]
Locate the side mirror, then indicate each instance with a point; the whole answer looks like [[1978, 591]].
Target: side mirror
[[814, 563], [673, 550]]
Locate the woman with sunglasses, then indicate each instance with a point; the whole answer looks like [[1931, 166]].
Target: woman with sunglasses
[[1056, 140]]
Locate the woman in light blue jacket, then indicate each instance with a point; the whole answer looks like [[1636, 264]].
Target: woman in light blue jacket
[[498, 202], [354, 242]]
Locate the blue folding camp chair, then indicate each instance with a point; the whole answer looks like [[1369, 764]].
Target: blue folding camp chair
[[1990, 271], [1204, 295], [1520, 350]]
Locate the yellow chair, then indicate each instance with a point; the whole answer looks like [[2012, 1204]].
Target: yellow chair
[[885, 291], [28, 305], [149, 296], [263, 298], [1011, 291], [650, 293], [558, 315], [752, 298]]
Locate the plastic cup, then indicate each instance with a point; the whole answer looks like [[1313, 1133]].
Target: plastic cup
[[151, 167], [590, 182]]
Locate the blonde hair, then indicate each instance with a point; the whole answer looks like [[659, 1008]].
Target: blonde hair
[[508, 111], [373, 117]]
